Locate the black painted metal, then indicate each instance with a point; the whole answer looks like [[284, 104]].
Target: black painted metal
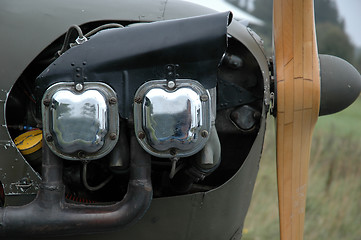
[[49, 214], [126, 58], [232, 95]]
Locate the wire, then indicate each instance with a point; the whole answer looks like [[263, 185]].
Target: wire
[[81, 37], [85, 182], [67, 38], [175, 168], [102, 27]]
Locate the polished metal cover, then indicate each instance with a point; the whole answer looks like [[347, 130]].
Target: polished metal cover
[[172, 119], [78, 122]]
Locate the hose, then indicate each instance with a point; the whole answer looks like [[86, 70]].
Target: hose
[[102, 27], [67, 38], [85, 181]]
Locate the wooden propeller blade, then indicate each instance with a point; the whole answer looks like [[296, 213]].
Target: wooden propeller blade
[[298, 100]]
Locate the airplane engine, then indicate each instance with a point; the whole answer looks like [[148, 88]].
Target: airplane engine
[[142, 119], [132, 113]]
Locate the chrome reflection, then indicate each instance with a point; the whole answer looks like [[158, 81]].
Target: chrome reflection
[[79, 121], [172, 120], [80, 124]]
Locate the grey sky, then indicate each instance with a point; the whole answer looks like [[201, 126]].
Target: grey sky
[[350, 11]]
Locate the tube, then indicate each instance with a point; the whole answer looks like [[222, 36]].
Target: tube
[[50, 215]]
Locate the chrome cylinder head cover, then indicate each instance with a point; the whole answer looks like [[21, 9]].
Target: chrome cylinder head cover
[[172, 118], [80, 123]]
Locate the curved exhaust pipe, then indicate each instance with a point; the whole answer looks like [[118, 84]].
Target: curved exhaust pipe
[[50, 214]]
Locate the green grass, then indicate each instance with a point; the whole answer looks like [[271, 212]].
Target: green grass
[[334, 190]]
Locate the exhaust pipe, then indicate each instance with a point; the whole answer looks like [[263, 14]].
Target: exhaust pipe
[[50, 215]]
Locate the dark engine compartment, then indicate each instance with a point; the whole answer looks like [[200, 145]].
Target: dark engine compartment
[[239, 84]]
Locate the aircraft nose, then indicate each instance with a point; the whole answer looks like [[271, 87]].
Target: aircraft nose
[[340, 84]]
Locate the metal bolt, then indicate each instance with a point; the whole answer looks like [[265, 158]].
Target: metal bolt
[[81, 154], [46, 102], [173, 151], [257, 115], [141, 135], [171, 84], [204, 133], [113, 136], [49, 137], [138, 100], [204, 98], [113, 100], [79, 87]]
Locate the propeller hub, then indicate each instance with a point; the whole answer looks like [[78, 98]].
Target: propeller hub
[[340, 84]]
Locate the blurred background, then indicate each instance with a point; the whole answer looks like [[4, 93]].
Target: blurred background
[[334, 195]]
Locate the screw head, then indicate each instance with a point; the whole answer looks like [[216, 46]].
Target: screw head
[[141, 135], [204, 98], [138, 100], [79, 87], [113, 136], [173, 151], [113, 100], [46, 102], [81, 154], [171, 84], [49, 137], [204, 133]]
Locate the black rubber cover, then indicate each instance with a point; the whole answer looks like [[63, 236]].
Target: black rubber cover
[[340, 84]]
